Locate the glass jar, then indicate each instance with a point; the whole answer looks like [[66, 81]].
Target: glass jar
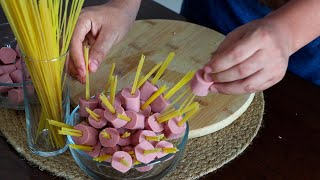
[[46, 98]]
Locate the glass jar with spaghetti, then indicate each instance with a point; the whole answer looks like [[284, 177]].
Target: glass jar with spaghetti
[[49, 101]]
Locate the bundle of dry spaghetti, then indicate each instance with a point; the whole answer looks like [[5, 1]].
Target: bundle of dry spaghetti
[[43, 29]]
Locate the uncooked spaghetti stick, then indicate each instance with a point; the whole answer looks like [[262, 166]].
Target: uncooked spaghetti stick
[[135, 83], [102, 157], [107, 103], [113, 89], [124, 162], [152, 138], [69, 133], [58, 124], [190, 107], [154, 96], [86, 58], [170, 150], [110, 76], [168, 116], [71, 130], [146, 77], [180, 84], [163, 67], [124, 117], [106, 135], [125, 135], [94, 115], [170, 107], [81, 147], [185, 102], [188, 115], [151, 151]]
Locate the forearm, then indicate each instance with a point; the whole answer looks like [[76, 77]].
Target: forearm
[[300, 20]]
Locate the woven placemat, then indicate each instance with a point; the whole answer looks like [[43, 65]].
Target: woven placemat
[[203, 155]]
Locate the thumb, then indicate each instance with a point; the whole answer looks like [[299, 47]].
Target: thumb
[[100, 49]]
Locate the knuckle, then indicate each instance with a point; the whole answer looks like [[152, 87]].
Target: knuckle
[[236, 53], [243, 70], [250, 88], [99, 52], [264, 34]]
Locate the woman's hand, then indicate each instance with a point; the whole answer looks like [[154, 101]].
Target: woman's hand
[[252, 58], [101, 27]]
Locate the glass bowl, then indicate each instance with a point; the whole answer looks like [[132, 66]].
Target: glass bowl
[[7, 39], [103, 170]]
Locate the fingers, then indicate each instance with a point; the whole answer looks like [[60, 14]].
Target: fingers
[[257, 82], [233, 53], [100, 48], [242, 70], [82, 28]]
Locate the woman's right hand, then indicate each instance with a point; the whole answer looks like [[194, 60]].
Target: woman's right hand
[[101, 27]]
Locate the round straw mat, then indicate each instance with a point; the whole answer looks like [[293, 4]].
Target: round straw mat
[[213, 150]]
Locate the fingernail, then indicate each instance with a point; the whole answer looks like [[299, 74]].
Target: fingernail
[[94, 65], [207, 69], [213, 89]]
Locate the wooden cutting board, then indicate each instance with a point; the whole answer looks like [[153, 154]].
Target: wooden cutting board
[[193, 45]]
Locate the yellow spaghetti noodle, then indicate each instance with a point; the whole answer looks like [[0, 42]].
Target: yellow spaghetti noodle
[[135, 83], [110, 76], [86, 58], [163, 68], [43, 29]]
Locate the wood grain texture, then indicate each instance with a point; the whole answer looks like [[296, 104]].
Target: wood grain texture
[[193, 45]]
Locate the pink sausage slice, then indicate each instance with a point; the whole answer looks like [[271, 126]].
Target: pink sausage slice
[[96, 96], [140, 136], [5, 79], [153, 125], [116, 103], [127, 148], [147, 111], [131, 102], [114, 137], [16, 76], [102, 121], [89, 135], [146, 90], [137, 120], [172, 130], [159, 104], [139, 152], [7, 55], [15, 96], [163, 144], [113, 119], [144, 168], [116, 161], [109, 151], [18, 64], [91, 104], [84, 123], [7, 69], [123, 141], [96, 150], [199, 86]]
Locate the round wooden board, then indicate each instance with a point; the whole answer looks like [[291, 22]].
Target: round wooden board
[[193, 45]]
